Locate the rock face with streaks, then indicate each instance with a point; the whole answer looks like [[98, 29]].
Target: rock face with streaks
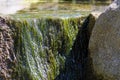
[[7, 56], [104, 44]]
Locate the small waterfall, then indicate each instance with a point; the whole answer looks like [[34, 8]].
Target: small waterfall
[[43, 45]]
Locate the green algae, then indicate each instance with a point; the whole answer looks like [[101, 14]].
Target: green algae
[[42, 45]]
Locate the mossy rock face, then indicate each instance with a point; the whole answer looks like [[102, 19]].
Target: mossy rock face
[[42, 45], [105, 43]]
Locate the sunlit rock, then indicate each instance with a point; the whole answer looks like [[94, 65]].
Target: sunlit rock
[[104, 44]]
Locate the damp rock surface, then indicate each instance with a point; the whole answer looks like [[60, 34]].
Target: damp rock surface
[[104, 44], [7, 56]]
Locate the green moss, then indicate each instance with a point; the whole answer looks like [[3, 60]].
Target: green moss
[[42, 46]]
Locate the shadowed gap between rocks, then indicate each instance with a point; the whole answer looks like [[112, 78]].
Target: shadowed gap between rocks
[[78, 65]]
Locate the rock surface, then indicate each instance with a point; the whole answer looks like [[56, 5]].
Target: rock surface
[[7, 56], [104, 44]]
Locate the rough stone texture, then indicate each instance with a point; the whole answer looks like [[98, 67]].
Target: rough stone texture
[[7, 57], [104, 44]]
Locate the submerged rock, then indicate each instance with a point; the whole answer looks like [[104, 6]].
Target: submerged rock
[[104, 44]]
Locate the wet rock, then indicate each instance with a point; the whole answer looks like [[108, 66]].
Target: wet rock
[[104, 44]]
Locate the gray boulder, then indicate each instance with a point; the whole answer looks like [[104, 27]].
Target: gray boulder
[[104, 44]]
